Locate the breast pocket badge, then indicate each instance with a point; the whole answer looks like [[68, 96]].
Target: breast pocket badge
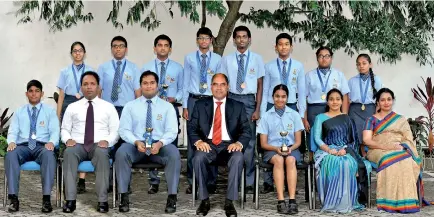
[[210, 72], [252, 71], [42, 124], [128, 77], [159, 117], [294, 80], [289, 127], [335, 83]]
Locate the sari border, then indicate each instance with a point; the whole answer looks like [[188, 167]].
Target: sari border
[[386, 122]]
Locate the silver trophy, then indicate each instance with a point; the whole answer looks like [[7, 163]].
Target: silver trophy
[[284, 148], [148, 140], [163, 94]]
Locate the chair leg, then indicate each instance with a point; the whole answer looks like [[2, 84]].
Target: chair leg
[[369, 195], [309, 186], [194, 189], [243, 178], [313, 187], [5, 196], [61, 186], [256, 197], [114, 186], [57, 186]]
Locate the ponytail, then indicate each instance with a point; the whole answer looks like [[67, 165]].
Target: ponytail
[[371, 74]]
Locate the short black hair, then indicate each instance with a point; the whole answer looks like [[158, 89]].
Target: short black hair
[[284, 35], [35, 83], [204, 31], [162, 37], [92, 73], [119, 38], [149, 73], [78, 43], [324, 48], [215, 75], [239, 29]]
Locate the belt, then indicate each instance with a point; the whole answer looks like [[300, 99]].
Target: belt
[[198, 96], [357, 103], [242, 95], [321, 103]]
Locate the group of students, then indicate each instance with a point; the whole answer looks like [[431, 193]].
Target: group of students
[[91, 103]]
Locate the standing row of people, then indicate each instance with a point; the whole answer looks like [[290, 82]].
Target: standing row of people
[[293, 101]]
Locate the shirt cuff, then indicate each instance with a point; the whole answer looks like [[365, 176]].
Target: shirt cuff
[[164, 142]]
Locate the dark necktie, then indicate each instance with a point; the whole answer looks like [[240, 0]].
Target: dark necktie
[[89, 128], [202, 74], [280, 112], [324, 70], [284, 74], [240, 73], [116, 82], [32, 141], [364, 76]]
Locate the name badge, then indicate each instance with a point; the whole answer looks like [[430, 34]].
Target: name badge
[[159, 117]]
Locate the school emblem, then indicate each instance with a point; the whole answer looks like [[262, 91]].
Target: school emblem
[[290, 127], [210, 72], [172, 80], [42, 124], [127, 77], [159, 117], [294, 80], [252, 71], [294, 72]]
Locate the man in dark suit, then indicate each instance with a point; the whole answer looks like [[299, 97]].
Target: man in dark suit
[[219, 129]]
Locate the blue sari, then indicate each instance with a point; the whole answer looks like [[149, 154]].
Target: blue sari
[[340, 179]]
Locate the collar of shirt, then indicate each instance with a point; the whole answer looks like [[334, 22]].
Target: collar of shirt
[[165, 61], [85, 101], [38, 106], [238, 53], [208, 53], [281, 60], [153, 99], [286, 109], [122, 60], [216, 100]]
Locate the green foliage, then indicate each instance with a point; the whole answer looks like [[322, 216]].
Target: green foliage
[[4, 118], [387, 28], [419, 130], [3, 146]]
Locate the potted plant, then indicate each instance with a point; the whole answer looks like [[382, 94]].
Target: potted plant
[[419, 128], [426, 98], [4, 118]]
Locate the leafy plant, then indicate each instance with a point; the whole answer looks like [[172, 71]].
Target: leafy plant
[[3, 146], [3, 120], [426, 97], [419, 128], [387, 28]]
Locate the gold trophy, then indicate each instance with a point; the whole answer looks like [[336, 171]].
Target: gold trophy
[[284, 148], [163, 95], [148, 141]]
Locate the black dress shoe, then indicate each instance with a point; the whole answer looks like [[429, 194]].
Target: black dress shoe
[[282, 208], [81, 187], [250, 189], [153, 189], [267, 188], [69, 206], [171, 204], [204, 208], [102, 207], [14, 204], [189, 189], [230, 209], [46, 207], [292, 209], [124, 206], [211, 189]]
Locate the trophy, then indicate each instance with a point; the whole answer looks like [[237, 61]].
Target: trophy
[[148, 140], [284, 148], [163, 93]]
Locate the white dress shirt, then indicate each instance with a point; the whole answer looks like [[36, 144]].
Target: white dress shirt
[[225, 135], [106, 121]]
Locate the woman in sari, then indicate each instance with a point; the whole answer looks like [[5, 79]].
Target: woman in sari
[[336, 158], [391, 147]]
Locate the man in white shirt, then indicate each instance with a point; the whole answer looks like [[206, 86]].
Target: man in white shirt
[[89, 128]]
